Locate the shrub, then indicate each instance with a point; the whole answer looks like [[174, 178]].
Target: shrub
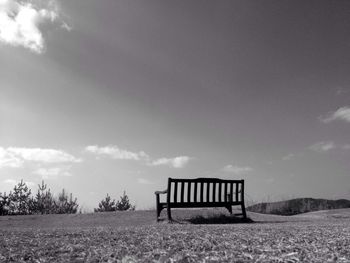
[[20, 199], [124, 203], [44, 200], [4, 204], [65, 204], [108, 205], [21, 202]]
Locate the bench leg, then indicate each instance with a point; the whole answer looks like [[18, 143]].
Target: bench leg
[[159, 210], [169, 213], [229, 208], [244, 212], [158, 206]]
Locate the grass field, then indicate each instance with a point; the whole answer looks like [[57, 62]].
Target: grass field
[[135, 236]]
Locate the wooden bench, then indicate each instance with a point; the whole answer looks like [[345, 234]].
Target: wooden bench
[[202, 192]]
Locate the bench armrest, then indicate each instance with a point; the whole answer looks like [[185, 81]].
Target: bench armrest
[[161, 192]]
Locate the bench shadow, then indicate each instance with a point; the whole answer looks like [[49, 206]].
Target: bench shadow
[[218, 219]]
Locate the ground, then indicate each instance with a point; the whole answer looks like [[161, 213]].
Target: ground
[[135, 236]]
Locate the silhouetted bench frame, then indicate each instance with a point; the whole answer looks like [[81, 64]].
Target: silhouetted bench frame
[[202, 192]]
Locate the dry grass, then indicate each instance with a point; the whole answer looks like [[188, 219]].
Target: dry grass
[[136, 237]]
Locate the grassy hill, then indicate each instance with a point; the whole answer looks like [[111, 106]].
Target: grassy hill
[[298, 206], [135, 236]]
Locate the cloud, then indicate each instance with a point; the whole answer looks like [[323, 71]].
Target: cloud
[[176, 162], [341, 91], [14, 182], [30, 184], [238, 170], [329, 145], [43, 155], [342, 113], [270, 180], [144, 181], [20, 21], [8, 159], [16, 156], [10, 181], [66, 26], [346, 146], [288, 157], [52, 172], [116, 153], [323, 146]]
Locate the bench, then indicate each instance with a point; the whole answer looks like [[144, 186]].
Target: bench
[[201, 192]]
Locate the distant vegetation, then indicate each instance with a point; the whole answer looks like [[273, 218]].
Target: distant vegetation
[[298, 206], [108, 205], [21, 202]]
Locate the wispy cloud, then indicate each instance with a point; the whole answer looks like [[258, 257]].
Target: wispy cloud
[[10, 181], [14, 182], [8, 159], [117, 153], [288, 157], [114, 152], [238, 170], [323, 146], [144, 181], [341, 91], [342, 113], [16, 156], [270, 180], [53, 172], [176, 162], [43, 155], [328, 145], [20, 22], [346, 147]]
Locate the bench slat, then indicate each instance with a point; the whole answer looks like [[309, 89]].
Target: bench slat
[[202, 189], [175, 192], [195, 192], [182, 191], [208, 191], [220, 192], [189, 192], [237, 191], [214, 192]]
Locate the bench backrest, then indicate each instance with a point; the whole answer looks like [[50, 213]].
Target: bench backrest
[[205, 190]]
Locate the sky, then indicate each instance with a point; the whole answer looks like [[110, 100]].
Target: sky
[[100, 97]]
